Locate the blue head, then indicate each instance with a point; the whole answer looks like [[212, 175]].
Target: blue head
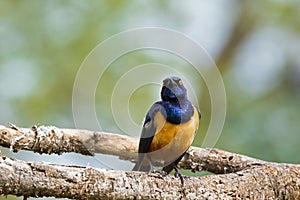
[[173, 89]]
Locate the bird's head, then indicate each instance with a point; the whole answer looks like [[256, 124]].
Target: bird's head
[[173, 89]]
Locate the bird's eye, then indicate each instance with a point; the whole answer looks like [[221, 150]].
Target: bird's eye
[[180, 82]]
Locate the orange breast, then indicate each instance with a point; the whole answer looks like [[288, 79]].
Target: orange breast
[[172, 140]]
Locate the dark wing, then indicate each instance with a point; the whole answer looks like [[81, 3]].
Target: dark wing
[[148, 131]]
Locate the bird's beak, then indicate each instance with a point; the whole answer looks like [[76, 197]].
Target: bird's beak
[[169, 83]]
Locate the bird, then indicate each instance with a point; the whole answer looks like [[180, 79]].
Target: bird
[[168, 130]]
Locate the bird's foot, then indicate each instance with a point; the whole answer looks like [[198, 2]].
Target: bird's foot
[[158, 174], [178, 174], [161, 172]]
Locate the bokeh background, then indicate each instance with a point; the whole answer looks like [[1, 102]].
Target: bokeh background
[[255, 44]]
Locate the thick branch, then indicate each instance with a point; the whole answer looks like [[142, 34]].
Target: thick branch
[[252, 178], [49, 139], [37, 180]]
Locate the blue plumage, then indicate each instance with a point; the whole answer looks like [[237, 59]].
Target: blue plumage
[[177, 113]]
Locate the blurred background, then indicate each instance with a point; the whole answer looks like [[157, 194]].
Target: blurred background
[[255, 45]]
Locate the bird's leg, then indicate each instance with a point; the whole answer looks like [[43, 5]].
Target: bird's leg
[[153, 170], [178, 174]]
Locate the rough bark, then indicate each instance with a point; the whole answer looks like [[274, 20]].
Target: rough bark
[[38, 179], [241, 177], [52, 140]]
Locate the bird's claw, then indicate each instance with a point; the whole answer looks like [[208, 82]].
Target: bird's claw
[[161, 172], [178, 174]]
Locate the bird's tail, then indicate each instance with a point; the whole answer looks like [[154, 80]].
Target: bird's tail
[[142, 164], [142, 168]]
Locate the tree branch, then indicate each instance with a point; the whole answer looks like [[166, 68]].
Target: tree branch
[[50, 139], [242, 177], [38, 179]]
